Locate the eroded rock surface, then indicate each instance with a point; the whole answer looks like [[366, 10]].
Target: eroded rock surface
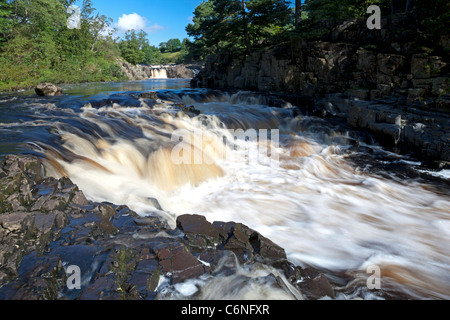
[[47, 226]]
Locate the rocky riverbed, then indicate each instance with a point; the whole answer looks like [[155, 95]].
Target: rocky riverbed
[[48, 225]]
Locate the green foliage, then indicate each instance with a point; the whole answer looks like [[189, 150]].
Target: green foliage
[[135, 49], [173, 45], [343, 9], [6, 21], [438, 20], [131, 47], [236, 24], [38, 46]]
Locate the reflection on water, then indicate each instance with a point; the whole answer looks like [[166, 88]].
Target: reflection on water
[[91, 89]]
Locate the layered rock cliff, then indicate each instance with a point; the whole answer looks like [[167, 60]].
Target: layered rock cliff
[[383, 80], [144, 72]]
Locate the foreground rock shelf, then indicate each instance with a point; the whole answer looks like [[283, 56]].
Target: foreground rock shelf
[[48, 225]]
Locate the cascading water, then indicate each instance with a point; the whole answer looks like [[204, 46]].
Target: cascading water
[[159, 73], [311, 198]]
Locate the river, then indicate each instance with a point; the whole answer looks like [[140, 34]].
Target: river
[[331, 197]]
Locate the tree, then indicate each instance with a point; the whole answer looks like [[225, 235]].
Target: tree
[[6, 21], [343, 9], [204, 31], [236, 24], [396, 6], [173, 45], [298, 13], [163, 47], [131, 49], [152, 55], [268, 18]]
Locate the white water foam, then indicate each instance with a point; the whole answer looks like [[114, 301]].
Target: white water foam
[[313, 204]]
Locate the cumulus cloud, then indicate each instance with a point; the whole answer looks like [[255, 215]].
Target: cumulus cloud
[[131, 21], [135, 21]]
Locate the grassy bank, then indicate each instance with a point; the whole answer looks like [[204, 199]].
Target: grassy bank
[[15, 76]]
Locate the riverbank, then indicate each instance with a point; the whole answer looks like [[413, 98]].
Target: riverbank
[[123, 71]]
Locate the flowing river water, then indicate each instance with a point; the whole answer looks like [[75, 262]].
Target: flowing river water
[[331, 197]]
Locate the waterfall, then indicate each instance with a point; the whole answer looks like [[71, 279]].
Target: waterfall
[[313, 199], [159, 72]]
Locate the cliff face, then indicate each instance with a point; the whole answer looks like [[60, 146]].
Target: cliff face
[[144, 72], [373, 78]]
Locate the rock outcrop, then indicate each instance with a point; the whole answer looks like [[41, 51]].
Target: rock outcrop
[[47, 227], [375, 79], [48, 89], [144, 72]]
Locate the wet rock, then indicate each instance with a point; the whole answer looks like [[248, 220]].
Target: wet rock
[[14, 222], [155, 203], [144, 72], [48, 89], [246, 243], [191, 110], [80, 199], [44, 222], [149, 95], [104, 288], [195, 227], [121, 255], [179, 262]]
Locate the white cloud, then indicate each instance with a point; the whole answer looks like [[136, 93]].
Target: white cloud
[[154, 28], [131, 21], [135, 21]]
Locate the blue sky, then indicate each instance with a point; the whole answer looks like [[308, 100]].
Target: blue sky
[[161, 19]]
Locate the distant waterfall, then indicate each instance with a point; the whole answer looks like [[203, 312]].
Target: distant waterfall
[[159, 73]]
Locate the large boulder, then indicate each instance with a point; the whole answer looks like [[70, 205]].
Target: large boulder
[[48, 89]]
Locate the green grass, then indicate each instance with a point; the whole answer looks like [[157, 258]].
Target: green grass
[[15, 76], [171, 57]]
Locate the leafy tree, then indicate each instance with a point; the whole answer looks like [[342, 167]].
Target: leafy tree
[[203, 30], [136, 49], [298, 13], [343, 9], [131, 49], [267, 18], [238, 24], [152, 55], [173, 45], [6, 21], [163, 47]]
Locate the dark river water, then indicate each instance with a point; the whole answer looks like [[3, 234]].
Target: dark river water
[[331, 197]]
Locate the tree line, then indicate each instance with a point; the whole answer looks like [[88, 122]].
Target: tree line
[[244, 25], [136, 49]]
